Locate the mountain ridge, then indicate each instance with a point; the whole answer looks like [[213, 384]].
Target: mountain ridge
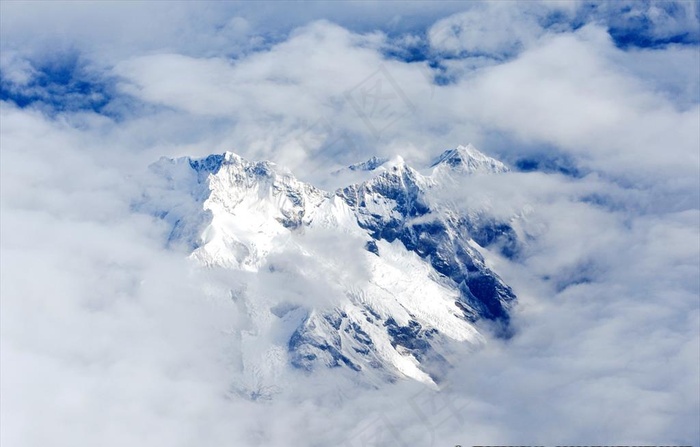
[[423, 282]]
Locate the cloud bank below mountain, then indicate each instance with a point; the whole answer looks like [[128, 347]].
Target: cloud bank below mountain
[[110, 338]]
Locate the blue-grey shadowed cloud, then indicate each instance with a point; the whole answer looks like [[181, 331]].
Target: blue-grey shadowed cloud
[[635, 24], [651, 24], [548, 163], [62, 82], [109, 338], [412, 48], [535, 157], [632, 25]]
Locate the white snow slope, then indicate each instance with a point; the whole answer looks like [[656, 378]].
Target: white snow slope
[[328, 293]]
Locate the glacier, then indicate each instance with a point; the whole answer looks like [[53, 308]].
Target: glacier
[[375, 278]]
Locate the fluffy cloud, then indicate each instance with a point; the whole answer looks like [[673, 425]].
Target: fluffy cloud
[[109, 338], [348, 100], [480, 31]]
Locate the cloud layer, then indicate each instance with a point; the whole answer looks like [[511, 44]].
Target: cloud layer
[[110, 338]]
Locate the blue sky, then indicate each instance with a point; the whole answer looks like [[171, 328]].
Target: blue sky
[[107, 335]]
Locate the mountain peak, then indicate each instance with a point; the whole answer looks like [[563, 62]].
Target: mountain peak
[[395, 163], [228, 160], [468, 159], [377, 277], [369, 165]]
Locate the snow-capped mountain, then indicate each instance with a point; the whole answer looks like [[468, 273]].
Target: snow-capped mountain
[[373, 277], [467, 159]]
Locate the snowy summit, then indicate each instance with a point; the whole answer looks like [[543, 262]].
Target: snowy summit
[[421, 279]]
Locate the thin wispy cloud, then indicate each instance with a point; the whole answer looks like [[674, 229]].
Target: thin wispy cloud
[[110, 336]]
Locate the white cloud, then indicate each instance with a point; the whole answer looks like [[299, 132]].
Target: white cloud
[[571, 93], [110, 339], [480, 31], [663, 20], [577, 98]]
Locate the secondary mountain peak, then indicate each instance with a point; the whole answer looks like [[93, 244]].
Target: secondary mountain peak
[[369, 165], [468, 159]]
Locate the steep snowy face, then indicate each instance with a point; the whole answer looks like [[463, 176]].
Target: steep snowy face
[[252, 205], [373, 278], [384, 202], [397, 205]]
